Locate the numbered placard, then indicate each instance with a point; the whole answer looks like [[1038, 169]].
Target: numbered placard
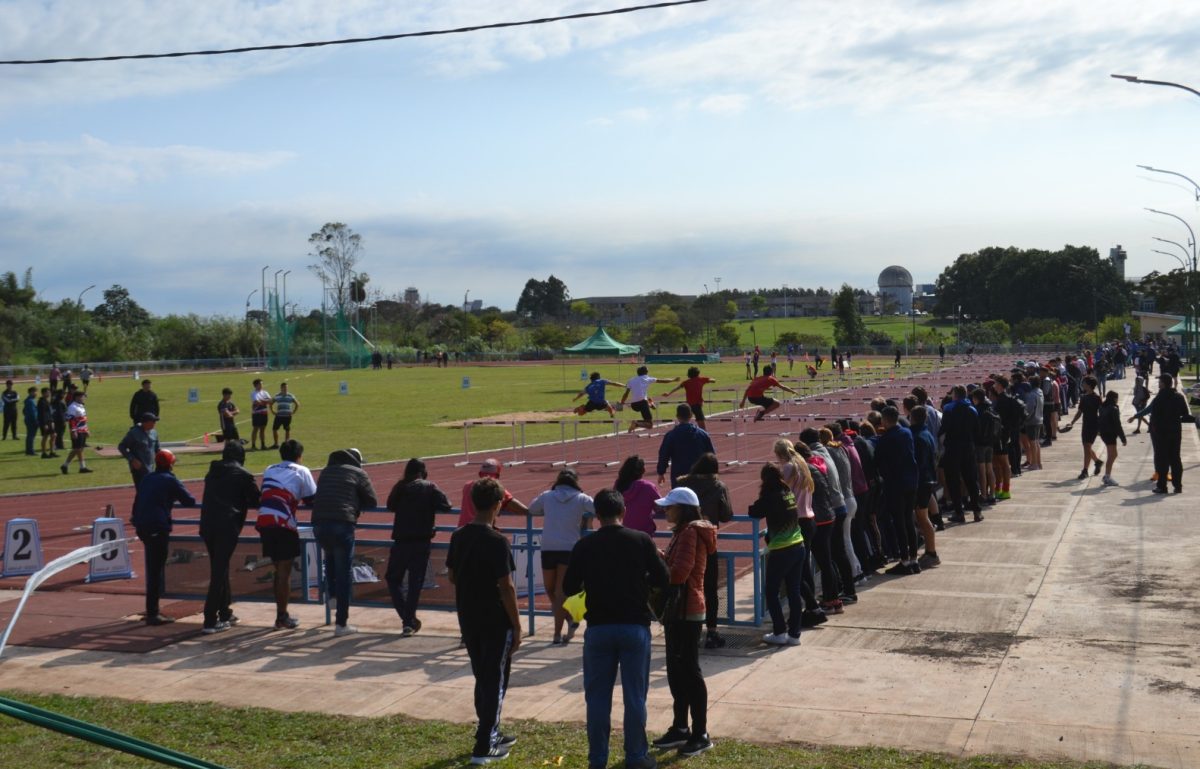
[[466, 383], [524, 559], [343, 388], [113, 563], [22, 548], [583, 375], [193, 395]]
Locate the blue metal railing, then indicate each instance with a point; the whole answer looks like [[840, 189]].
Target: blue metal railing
[[525, 542]]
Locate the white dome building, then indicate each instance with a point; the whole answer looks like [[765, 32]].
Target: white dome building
[[896, 288]]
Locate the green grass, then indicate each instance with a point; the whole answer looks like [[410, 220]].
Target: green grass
[[899, 328], [388, 415], [252, 738]]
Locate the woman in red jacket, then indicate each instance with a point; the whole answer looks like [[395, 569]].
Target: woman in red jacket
[[693, 540]]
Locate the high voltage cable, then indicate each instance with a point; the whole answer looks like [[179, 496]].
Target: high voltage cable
[[353, 40]]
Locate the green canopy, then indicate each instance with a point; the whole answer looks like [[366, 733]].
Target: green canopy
[[600, 343], [1182, 327]]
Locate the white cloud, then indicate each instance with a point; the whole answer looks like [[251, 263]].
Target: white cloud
[[724, 104], [38, 171]]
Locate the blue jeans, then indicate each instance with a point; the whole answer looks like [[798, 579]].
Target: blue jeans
[[337, 541], [785, 567], [604, 648]]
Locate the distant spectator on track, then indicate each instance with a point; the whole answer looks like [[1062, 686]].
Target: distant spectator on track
[[284, 407], [29, 410], [227, 413], [139, 446], [77, 422], [260, 412], [10, 398]]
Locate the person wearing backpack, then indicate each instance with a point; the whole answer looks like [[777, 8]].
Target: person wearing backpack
[[716, 508], [1012, 416], [985, 439]]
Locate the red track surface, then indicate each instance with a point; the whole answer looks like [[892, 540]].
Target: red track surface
[[61, 515]]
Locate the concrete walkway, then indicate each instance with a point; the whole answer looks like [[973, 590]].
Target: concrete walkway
[[1064, 625]]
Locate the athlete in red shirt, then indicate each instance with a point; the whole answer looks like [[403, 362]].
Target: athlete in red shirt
[[757, 389], [693, 390]]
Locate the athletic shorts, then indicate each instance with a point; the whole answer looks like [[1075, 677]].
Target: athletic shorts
[[79, 441], [280, 544], [1034, 432], [282, 422], [1109, 440], [643, 408], [924, 494], [47, 429], [554, 558], [697, 411], [259, 420], [1089, 436], [595, 406], [983, 455], [762, 400]]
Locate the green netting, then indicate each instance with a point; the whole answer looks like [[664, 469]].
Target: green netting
[[345, 344], [280, 332]]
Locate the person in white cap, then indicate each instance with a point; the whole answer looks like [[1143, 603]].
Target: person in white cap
[[693, 539], [489, 469]]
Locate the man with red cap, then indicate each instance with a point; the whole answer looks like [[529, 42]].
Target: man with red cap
[[489, 469], [156, 494]]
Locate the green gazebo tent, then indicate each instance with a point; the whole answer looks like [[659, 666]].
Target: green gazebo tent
[[600, 343]]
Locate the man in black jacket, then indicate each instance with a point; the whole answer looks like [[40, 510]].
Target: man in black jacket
[[143, 401], [960, 426], [343, 492], [617, 566], [1168, 411], [229, 492], [415, 503]]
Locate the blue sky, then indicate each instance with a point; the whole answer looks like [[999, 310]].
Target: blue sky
[[761, 141]]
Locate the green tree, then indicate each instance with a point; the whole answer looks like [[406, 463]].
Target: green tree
[[119, 309], [337, 250], [550, 336], [540, 299], [848, 327], [1172, 291]]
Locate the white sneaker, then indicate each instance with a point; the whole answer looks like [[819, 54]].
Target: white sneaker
[[220, 627], [341, 630], [776, 639], [1108, 481], [793, 640]]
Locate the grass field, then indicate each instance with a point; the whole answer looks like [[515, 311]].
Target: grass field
[[268, 739], [388, 415]]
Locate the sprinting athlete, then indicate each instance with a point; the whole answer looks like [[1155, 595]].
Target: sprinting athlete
[[639, 388], [595, 395], [756, 393], [693, 390]]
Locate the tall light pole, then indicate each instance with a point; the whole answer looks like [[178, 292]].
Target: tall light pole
[[1195, 321], [1177, 244], [252, 293], [285, 274], [263, 295], [79, 301], [1176, 257], [1195, 325], [1195, 187]]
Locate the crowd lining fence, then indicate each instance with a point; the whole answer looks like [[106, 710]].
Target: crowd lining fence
[[739, 552]]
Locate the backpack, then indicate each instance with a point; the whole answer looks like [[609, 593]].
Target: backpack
[[989, 427]]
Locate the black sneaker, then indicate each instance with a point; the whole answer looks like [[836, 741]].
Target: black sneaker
[[85, 469], [713, 640], [899, 568], [696, 745], [813, 618], [674, 738], [850, 598], [1099, 466], [497, 753], [506, 740]]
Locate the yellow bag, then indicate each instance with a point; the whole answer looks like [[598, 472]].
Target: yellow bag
[[576, 605]]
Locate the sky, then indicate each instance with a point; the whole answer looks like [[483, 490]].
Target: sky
[[731, 143]]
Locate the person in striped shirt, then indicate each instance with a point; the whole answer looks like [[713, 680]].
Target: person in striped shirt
[[78, 423], [285, 485], [284, 407]]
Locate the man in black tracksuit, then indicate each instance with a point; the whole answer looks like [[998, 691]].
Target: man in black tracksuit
[[960, 426], [143, 401], [1168, 411], [415, 503], [11, 399], [229, 492]]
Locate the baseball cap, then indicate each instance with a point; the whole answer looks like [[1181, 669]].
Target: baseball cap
[[490, 467], [679, 496], [148, 417]]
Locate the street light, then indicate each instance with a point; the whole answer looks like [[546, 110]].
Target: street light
[[1195, 187], [1195, 321], [263, 295], [285, 293], [79, 301], [252, 293], [1176, 257]]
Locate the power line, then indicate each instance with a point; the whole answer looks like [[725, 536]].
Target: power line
[[354, 40]]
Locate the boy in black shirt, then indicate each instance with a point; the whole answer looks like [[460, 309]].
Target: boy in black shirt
[[481, 566]]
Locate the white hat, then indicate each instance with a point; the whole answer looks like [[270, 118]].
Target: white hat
[[679, 496]]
